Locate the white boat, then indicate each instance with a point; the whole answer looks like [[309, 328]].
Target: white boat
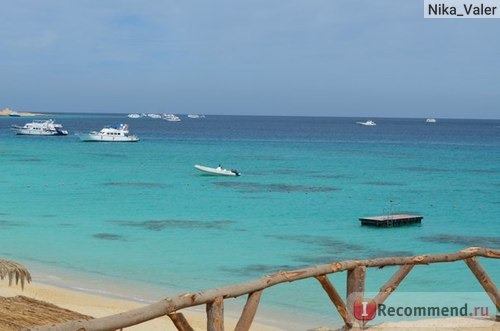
[[112, 133], [40, 128], [171, 118], [14, 114], [154, 115], [133, 116], [367, 123], [217, 171], [195, 116], [430, 120]]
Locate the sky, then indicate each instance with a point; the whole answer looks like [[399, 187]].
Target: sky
[[255, 57]]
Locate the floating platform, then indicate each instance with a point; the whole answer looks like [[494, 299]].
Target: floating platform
[[391, 220]]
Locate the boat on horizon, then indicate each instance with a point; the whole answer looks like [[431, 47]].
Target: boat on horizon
[[171, 118], [111, 133], [430, 120], [195, 116], [40, 128], [367, 123], [219, 171]]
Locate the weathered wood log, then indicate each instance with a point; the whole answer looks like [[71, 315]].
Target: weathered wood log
[[356, 280], [249, 312], [355, 287], [484, 280], [169, 305], [336, 299], [215, 315], [180, 322], [393, 283]]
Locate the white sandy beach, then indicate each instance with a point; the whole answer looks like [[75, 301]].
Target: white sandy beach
[[445, 324], [99, 306]]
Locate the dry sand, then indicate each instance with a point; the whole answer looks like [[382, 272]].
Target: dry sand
[[99, 306], [8, 111], [445, 324]]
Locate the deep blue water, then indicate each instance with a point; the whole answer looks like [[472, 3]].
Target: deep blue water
[[96, 215]]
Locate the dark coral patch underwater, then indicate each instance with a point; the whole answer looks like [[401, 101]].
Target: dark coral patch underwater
[[493, 242], [423, 169], [158, 225], [382, 183], [108, 236], [7, 224], [248, 187], [135, 184]]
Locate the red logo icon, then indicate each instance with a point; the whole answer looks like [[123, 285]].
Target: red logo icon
[[365, 309]]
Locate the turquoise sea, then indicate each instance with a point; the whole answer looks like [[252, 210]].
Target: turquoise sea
[[136, 220]]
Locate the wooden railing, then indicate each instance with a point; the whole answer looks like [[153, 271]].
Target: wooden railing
[[214, 298]]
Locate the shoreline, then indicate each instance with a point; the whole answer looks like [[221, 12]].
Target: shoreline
[[83, 301], [100, 295], [100, 305], [10, 112], [142, 293]]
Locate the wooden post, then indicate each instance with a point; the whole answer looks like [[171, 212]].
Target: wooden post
[[355, 287], [249, 312], [393, 283], [180, 322], [336, 299], [484, 280], [215, 315]]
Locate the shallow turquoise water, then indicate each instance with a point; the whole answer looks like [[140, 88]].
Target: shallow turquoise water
[[141, 214]]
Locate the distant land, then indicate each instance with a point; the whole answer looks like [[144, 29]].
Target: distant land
[[10, 112]]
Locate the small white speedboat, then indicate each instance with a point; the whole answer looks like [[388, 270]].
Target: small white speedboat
[[219, 171], [171, 118], [367, 123], [196, 116]]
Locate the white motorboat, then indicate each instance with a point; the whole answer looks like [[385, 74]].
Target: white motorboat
[[430, 120], [217, 171], [367, 123], [195, 116], [133, 116], [40, 128], [171, 118], [112, 133]]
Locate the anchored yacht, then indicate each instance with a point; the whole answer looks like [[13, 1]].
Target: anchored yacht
[[112, 133], [40, 128]]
